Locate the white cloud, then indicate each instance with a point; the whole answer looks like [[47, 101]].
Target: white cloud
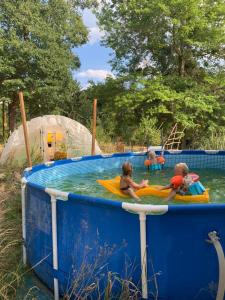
[[91, 22], [95, 74], [95, 35], [89, 18]]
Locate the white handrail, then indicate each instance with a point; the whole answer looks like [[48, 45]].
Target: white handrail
[[60, 195], [23, 203], [76, 158], [146, 208], [28, 169], [144, 280], [55, 245], [57, 193], [143, 210], [49, 163]]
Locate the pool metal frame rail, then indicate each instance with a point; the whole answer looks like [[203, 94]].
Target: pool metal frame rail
[[142, 210]]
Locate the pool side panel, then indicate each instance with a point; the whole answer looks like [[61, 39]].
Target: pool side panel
[[38, 233], [95, 243], [187, 265], [90, 239]]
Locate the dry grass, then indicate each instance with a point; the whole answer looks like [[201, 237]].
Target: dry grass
[[120, 148], [94, 281], [215, 140], [10, 233]]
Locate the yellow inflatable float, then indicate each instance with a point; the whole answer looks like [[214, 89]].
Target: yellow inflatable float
[[113, 185]]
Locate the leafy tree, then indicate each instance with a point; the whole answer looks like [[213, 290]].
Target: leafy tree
[[147, 133], [36, 42], [78, 107], [170, 55], [110, 117], [129, 104], [167, 36]]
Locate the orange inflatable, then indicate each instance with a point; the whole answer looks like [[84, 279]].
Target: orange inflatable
[[177, 181], [161, 160], [147, 162]]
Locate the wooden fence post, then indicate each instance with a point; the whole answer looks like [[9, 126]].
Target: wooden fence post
[[24, 122], [94, 126]]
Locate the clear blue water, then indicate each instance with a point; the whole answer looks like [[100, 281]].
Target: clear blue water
[[86, 184]]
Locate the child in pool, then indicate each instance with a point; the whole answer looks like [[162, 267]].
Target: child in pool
[[152, 157], [127, 185], [179, 184], [154, 162]]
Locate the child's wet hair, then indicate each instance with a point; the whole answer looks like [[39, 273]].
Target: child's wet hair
[[127, 168], [151, 154], [184, 167]]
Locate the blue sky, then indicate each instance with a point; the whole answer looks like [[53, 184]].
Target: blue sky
[[93, 57]]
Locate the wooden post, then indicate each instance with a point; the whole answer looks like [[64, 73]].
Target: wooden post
[[3, 121], [94, 126], [24, 122]]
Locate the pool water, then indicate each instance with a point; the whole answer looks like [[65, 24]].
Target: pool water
[[85, 184]]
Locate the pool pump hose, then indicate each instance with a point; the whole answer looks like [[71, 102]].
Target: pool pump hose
[[214, 239]]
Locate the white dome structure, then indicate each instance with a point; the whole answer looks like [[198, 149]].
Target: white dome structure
[[50, 136]]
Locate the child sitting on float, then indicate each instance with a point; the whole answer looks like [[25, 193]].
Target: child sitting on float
[[183, 182], [154, 162], [127, 185]]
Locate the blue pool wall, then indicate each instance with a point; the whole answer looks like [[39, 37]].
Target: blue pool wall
[[180, 261]]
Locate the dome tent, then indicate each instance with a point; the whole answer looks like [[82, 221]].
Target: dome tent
[[49, 135]]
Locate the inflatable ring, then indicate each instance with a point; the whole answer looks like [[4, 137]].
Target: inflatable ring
[[147, 162], [161, 160], [177, 181]]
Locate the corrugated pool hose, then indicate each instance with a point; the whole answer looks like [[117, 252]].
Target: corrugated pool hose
[[214, 239]]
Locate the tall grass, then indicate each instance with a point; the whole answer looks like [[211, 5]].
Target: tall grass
[[215, 140], [10, 233], [93, 280]]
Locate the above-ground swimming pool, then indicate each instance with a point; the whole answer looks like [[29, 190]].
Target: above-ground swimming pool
[[82, 240]]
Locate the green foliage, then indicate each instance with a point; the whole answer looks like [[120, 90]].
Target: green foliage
[[170, 36], [36, 41], [10, 233], [78, 107], [169, 55], [129, 101], [102, 135], [170, 104], [147, 133], [213, 139]]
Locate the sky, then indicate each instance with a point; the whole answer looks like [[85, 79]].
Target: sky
[[93, 57]]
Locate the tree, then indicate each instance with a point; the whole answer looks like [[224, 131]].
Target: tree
[[167, 36], [36, 42], [128, 105], [171, 55]]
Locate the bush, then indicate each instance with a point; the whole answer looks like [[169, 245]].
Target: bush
[[102, 135], [214, 139], [147, 132]]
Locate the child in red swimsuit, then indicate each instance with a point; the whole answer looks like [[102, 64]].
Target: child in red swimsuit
[[179, 184]]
